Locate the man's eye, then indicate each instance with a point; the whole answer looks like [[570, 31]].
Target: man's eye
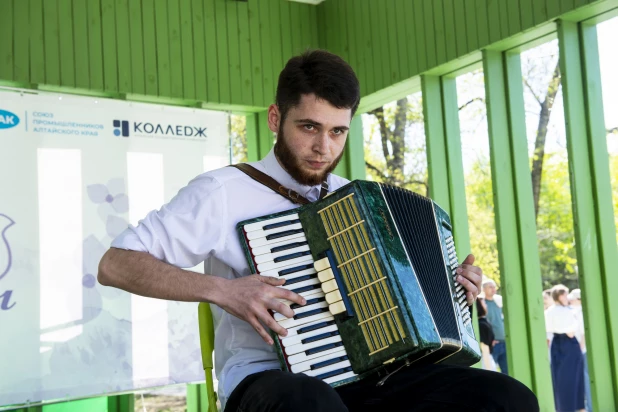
[[309, 127], [338, 131]]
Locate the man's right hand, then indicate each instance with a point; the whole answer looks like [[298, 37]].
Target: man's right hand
[[249, 298]]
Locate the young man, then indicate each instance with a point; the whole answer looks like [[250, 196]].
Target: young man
[[317, 96]]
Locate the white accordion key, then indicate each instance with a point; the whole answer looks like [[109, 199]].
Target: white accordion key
[[329, 368], [322, 264], [334, 296], [264, 233], [303, 357], [290, 272], [263, 241], [272, 247], [307, 365], [270, 257], [311, 294], [268, 266], [252, 227], [303, 284], [326, 275], [301, 348], [339, 377], [307, 327], [302, 309], [330, 286], [296, 340], [337, 307], [290, 323]]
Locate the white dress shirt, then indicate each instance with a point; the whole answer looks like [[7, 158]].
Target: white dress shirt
[[199, 225], [561, 319]]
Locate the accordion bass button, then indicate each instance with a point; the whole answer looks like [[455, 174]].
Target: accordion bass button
[[326, 275], [337, 308], [322, 264], [333, 297], [330, 286]]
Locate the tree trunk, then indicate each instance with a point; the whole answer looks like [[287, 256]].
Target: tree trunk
[[541, 135], [398, 142]]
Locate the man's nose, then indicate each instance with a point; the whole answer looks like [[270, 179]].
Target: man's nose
[[321, 142]]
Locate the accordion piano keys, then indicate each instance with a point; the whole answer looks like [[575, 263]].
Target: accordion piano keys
[[313, 344], [312, 305]]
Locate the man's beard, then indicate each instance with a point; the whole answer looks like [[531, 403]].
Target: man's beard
[[292, 164]]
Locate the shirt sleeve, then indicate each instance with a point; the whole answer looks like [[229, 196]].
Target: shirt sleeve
[[185, 231]]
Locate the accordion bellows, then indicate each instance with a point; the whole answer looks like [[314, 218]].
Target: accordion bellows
[[376, 265]]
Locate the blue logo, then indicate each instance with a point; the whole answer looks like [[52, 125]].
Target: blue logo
[[8, 119], [121, 127]]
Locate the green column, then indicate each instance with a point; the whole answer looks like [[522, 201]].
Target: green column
[[437, 164], [444, 162], [595, 231], [515, 225], [197, 398], [352, 164], [119, 403]]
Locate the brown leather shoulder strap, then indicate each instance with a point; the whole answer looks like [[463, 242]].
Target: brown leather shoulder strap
[[268, 181]]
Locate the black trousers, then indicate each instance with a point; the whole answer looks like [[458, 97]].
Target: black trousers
[[431, 388]]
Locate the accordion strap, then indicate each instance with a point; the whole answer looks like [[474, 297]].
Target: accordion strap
[[278, 188]]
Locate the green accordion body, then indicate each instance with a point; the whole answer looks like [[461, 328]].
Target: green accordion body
[[385, 259]]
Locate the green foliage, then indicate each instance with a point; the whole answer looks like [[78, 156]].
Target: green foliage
[[238, 138], [480, 205], [396, 154], [555, 224]]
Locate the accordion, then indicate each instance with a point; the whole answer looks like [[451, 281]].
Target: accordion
[[376, 265]]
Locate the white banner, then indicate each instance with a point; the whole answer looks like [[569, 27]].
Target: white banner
[[75, 172]]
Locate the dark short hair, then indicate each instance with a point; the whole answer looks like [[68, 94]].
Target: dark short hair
[[318, 72]]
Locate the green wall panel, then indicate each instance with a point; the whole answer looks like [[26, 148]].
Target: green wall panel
[[212, 51], [186, 36], [231, 52], [37, 53], [95, 47], [438, 31], [21, 58]]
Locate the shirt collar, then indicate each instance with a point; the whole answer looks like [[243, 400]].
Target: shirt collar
[[277, 172]]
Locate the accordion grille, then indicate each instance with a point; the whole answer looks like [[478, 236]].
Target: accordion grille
[[415, 220], [358, 263]]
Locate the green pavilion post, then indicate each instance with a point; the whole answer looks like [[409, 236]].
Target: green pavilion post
[[593, 217], [520, 271]]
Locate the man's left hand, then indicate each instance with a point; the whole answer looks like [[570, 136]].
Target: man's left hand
[[470, 277]]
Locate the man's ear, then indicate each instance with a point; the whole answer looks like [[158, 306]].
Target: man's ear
[[274, 118]]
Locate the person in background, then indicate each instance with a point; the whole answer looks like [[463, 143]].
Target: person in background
[[567, 363], [493, 303], [487, 336], [547, 300], [575, 302]]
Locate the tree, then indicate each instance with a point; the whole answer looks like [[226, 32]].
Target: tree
[[395, 142], [546, 103]]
